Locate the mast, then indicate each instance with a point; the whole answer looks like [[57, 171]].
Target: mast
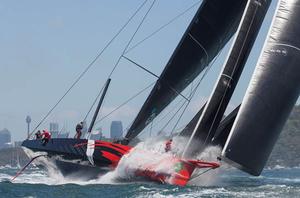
[[213, 25], [99, 105], [214, 110], [271, 95]]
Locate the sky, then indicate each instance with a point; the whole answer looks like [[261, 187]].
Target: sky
[[46, 45]]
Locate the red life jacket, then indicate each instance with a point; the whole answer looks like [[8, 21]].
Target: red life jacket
[[46, 135]]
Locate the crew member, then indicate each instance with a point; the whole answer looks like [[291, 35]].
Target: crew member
[[79, 127], [46, 136], [168, 145], [38, 135]]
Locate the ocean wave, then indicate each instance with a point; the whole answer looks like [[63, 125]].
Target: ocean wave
[[271, 191], [6, 167], [4, 177], [277, 167], [253, 188]]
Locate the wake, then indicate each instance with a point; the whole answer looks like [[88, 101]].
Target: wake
[[152, 152]]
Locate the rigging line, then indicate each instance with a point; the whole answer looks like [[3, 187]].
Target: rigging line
[[140, 66], [179, 129], [124, 103], [192, 94], [148, 71], [199, 174], [132, 37], [190, 97], [92, 106], [165, 116], [88, 67], [170, 111], [193, 134], [163, 26], [126, 47], [127, 128], [63, 128], [173, 116], [195, 89], [232, 73]]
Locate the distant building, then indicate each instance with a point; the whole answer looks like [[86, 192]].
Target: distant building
[[28, 121], [96, 135], [116, 130], [54, 129], [63, 135], [5, 139]]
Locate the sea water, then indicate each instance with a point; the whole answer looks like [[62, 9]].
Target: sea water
[[35, 182], [223, 182]]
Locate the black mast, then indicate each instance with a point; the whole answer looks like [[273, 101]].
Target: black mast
[[214, 110], [99, 105]]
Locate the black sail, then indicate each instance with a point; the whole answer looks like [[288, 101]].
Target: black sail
[[214, 110], [222, 132], [213, 25], [271, 95], [224, 128]]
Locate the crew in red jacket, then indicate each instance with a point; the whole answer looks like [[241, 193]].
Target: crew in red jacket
[[168, 145], [46, 136]]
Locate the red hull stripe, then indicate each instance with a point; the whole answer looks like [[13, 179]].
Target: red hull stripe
[[112, 147], [113, 158]]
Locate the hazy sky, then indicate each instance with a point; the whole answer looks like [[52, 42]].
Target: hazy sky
[[45, 45]]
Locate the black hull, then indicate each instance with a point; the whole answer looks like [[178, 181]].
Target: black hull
[[77, 170], [69, 155]]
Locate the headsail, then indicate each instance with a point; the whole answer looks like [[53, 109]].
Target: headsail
[[224, 128], [213, 25], [271, 95], [214, 109], [221, 133]]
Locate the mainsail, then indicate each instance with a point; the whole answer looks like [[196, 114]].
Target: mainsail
[[271, 95], [213, 25], [214, 109]]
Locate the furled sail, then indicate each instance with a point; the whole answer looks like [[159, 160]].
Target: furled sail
[[224, 128], [214, 109], [213, 25], [271, 95]]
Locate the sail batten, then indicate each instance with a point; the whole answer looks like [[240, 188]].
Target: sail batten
[[213, 25]]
